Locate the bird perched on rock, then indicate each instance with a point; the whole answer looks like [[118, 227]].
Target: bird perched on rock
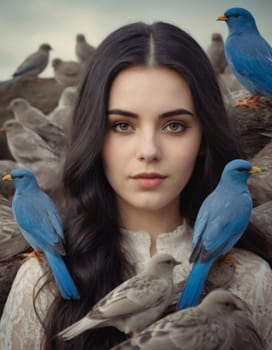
[[33, 65], [67, 73], [62, 113], [34, 119], [216, 53], [32, 152], [83, 49], [25, 145], [248, 54], [40, 224], [134, 304], [220, 222], [221, 321]]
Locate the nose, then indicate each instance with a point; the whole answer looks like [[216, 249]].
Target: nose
[[149, 147]]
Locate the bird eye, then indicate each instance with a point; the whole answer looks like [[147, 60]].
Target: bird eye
[[20, 176], [241, 170], [169, 262], [236, 15]]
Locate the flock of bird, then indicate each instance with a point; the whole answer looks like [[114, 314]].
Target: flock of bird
[[36, 141]]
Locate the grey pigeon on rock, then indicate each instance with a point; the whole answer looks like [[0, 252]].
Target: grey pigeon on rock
[[67, 73], [83, 49], [32, 152], [220, 322], [33, 118], [216, 53], [33, 65], [62, 113], [134, 304], [25, 145]]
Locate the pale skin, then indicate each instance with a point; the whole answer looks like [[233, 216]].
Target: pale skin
[[151, 147]]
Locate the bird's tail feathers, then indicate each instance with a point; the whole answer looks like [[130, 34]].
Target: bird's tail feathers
[[194, 285], [78, 327], [62, 276]]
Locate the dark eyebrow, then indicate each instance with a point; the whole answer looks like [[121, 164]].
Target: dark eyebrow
[[179, 111]]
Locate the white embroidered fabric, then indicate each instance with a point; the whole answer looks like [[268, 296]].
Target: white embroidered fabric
[[251, 279]]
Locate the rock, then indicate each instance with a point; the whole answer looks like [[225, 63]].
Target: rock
[[251, 124]]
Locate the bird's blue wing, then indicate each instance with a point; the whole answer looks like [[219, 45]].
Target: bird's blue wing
[[37, 215], [251, 60], [226, 228], [200, 226], [218, 228]]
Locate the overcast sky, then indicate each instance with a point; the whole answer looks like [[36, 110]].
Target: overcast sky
[[25, 24]]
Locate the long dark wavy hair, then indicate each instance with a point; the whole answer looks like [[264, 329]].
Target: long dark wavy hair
[[94, 252]]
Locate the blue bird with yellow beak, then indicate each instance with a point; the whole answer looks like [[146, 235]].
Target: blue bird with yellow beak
[[221, 221], [41, 226]]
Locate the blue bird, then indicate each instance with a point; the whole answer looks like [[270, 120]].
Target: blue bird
[[40, 224], [221, 221], [248, 54]]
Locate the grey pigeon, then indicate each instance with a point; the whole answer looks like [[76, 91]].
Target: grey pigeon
[[83, 49], [32, 152], [34, 64], [220, 322], [216, 53], [11, 239], [32, 118], [134, 304], [67, 73], [25, 145], [61, 114]]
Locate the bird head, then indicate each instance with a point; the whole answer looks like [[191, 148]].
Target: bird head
[[80, 38], [45, 47], [220, 301], [56, 62], [12, 125], [238, 170], [238, 20], [22, 178], [162, 264], [217, 37], [18, 105]]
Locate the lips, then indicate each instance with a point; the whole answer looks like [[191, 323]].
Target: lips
[[148, 180], [148, 176]]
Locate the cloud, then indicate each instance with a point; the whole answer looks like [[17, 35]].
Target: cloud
[[26, 24]]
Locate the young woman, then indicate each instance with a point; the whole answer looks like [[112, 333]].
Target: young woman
[[149, 139]]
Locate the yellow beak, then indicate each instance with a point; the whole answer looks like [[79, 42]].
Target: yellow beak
[[7, 178], [254, 170], [222, 18]]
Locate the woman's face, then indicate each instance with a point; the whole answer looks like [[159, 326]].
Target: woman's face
[[153, 138]]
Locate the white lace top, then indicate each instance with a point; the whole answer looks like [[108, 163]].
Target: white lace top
[[251, 279]]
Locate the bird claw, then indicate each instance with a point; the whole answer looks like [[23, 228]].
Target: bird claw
[[34, 254], [250, 101], [227, 258]]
